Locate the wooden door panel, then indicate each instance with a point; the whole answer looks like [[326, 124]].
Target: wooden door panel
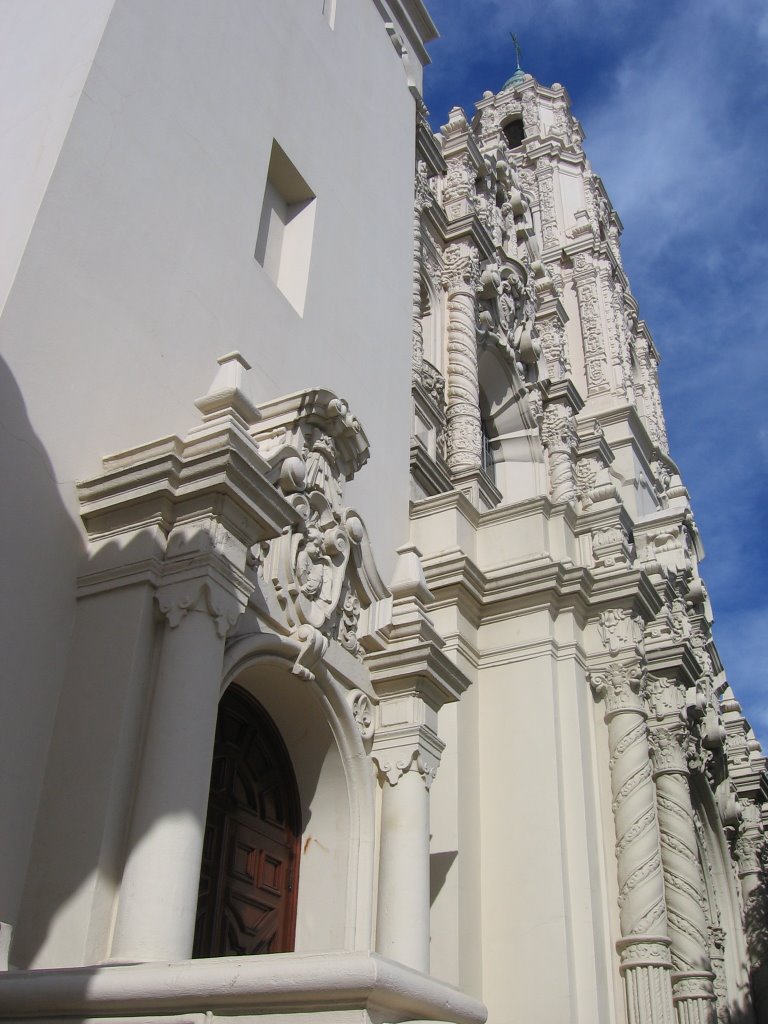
[[249, 872]]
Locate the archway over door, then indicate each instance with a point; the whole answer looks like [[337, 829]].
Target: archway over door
[[250, 868]]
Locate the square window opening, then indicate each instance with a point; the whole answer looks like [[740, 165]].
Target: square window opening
[[286, 227]]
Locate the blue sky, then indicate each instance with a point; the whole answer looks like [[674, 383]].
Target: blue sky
[[674, 101]]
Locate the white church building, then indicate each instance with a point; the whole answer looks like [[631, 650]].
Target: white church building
[[357, 667]]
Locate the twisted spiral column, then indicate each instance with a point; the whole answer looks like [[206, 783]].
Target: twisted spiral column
[[693, 979], [461, 277], [560, 441], [644, 946]]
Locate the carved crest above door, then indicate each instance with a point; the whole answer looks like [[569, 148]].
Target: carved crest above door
[[321, 573]]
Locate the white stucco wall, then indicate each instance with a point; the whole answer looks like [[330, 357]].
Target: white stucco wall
[[46, 51], [140, 270]]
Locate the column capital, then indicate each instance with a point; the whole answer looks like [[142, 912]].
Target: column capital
[[620, 684], [417, 752], [668, 751], [461, 267], [177, 598]]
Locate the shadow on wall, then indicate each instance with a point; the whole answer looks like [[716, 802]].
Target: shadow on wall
[[81, 812], [756, 930], [84, 822], [42, 547]]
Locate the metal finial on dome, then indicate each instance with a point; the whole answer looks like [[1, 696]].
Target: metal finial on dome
[[519, 74]]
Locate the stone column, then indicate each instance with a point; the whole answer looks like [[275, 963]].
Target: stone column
[[461, 276], [747, 850], [402, 921], [644, 946], [158, 895], [560, 440], [693, 978]]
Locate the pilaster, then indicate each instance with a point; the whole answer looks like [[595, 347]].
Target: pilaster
[[412, 679]]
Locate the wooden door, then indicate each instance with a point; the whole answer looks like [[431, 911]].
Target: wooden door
[[250, 868]]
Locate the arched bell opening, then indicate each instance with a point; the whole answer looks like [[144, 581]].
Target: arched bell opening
[[514, 131], [510, 434]]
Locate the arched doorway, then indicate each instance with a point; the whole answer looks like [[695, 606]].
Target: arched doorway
[[250, 867]]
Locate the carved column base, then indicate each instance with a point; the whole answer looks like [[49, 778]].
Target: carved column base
[[694, 998], [693, 995], [647, 972]]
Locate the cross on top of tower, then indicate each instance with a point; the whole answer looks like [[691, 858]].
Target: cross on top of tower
[[518, 50], [519, 74]]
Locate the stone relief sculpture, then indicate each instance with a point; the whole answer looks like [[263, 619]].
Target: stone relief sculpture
[[321, 575]]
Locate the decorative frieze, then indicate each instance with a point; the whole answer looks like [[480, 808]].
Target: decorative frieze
[[553, 342], [595, 358], [545, 179]]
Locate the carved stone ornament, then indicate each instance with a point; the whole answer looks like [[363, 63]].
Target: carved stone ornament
[[620, 629], [667, 751], [414, 761], [322, 572], [461, 268], [362, 712], [620, 685], [664, 699], [650, 951], [177, 600], [560, 440]]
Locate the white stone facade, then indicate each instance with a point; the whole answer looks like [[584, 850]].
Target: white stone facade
[[523, 787]]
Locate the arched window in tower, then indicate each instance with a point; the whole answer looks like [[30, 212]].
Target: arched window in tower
[[514, 132], [250, 869]]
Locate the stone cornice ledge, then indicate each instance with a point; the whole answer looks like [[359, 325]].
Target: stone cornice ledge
[[282, 982]]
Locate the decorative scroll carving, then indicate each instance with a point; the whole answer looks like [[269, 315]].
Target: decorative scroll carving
[[415, 761], [177, 600], [362, 712]]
